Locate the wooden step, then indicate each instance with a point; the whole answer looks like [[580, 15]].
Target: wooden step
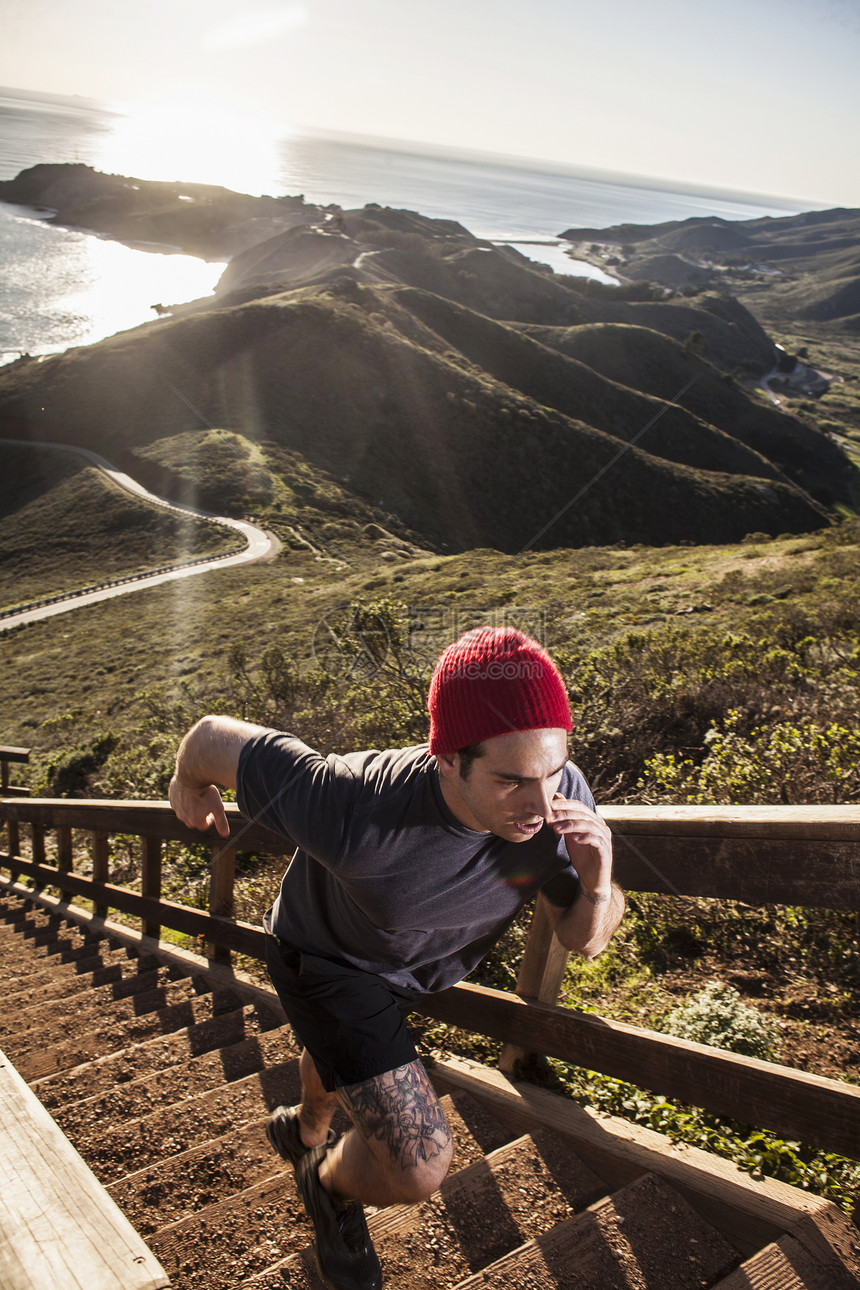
[[113, 1036], [123, 1149], [172, 1189], [163, 1070], [177, 1083], [788, 1265], [12, 906], [12, 923], [123, 978], [247, 1233], [39, 931], [15, 911], [75, 963], [60, 952], [517, 1192], [52, 1019], [645, 1235], [57, 981], [480, 1212], [44, 935], [235, 1237], [29, 916], [184, 1185]]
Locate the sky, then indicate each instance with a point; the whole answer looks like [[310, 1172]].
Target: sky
[[758, 96]]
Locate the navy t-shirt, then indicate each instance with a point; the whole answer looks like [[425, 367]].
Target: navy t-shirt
[[385, 878]]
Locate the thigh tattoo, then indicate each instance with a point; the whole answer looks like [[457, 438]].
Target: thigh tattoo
[[400, 1108]]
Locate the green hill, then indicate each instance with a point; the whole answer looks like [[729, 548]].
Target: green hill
[[657, 365], [544, 364], [451, 390], [461, 459], [63, 525]]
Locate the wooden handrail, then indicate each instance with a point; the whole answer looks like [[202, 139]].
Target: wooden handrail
[[802, 855], [154, 823], [821, 1112], [789, 855], [793, 855], [146, 819], [762, 855], [226, 932]]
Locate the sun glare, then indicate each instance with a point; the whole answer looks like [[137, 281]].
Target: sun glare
[[194, 138], [118, 286]]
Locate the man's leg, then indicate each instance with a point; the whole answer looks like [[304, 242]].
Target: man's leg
[[401, 1146], [317, 1106], [398, 1150], [293, 1131]]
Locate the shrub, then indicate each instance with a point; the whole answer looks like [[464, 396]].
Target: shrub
[[71, 774], [759, 1152], [718, 1016], [785, 763]]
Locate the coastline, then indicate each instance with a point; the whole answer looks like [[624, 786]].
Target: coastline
[[58, 295]]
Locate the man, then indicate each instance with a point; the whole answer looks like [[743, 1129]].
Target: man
[[411, 864]]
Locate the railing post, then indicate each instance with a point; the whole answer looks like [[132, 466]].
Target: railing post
[[14, 837], [37, 834], [101, 867], [221, 894], [14, 844], [151, 879], [64, 855], [541, 972]]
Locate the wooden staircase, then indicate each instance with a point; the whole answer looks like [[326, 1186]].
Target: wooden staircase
[[161, 1069]]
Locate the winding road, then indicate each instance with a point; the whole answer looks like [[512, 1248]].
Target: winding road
[[259, 546]]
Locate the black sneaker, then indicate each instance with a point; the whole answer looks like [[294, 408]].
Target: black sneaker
[[343, 1252], [285, 1135]]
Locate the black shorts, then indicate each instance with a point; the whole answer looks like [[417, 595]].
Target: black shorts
[[351, 1022]]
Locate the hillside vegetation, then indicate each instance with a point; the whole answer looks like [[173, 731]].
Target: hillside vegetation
[[693, 656], [457, 390]]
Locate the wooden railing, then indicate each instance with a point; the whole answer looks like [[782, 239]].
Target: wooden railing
[[153, 823], [7, 756], [759, 855]]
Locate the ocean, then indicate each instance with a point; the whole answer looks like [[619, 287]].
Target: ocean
[[64, 287]]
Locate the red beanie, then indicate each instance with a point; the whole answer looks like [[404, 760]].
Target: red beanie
[[492, 681]]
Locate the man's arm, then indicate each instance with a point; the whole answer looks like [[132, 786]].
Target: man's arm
[[208, 756], [589, 923]]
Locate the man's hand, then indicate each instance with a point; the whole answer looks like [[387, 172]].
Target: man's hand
[[208, 755], [588, 925], [198, 808], [588, 841]]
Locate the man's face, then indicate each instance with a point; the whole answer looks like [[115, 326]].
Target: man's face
[[510, 787]]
